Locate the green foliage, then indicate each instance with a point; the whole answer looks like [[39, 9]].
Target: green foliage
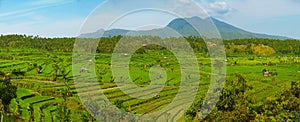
[[7, 90], [63, 113], [192, 112], [120, 104], [284, 107], [49, 59], [262, 50], [234, 105], [107, 44]]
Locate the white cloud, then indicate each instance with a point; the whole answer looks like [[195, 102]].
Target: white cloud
[[155, 14], [186, 1], [47, 2], [55, 29], [247, 14], [187, 8], [33, 6], [216, 7], [220, 7], [249, 11], [11, 13]]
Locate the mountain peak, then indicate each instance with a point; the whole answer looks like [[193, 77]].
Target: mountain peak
[[195, 18], [200, 19], [188, 27]]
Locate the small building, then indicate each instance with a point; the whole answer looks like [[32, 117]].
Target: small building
[[82, 69], [266, 73]]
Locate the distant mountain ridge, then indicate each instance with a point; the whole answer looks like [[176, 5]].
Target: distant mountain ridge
[[187, 27]]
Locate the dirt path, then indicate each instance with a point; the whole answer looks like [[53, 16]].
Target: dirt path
[[34, 80], [60, 83]]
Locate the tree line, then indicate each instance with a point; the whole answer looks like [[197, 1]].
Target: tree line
[[107, 44]]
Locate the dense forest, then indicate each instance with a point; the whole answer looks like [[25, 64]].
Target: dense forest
[[106, 45]]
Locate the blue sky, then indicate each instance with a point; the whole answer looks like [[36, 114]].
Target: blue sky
[[59, 18]]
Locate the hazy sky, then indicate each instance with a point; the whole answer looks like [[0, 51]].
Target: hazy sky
[[58, 18]]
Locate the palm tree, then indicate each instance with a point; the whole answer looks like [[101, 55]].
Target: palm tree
[[55, 71]]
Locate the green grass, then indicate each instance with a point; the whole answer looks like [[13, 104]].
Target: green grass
[[251, 70], [23, 92], [48, 115]]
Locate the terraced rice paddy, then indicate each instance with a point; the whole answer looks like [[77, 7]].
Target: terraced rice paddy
[[39, 98]]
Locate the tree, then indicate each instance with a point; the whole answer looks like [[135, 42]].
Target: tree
[[63, 112], [55, 71], [284, 107], [232, 105], [119, 103], [7, 90]]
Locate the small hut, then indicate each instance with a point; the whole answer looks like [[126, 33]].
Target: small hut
[[82, 69], [144, 46], [265, 73]]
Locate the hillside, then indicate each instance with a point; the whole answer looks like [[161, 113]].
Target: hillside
[[187, 27]]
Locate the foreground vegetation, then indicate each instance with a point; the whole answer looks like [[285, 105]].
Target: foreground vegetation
[[38, 71]]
